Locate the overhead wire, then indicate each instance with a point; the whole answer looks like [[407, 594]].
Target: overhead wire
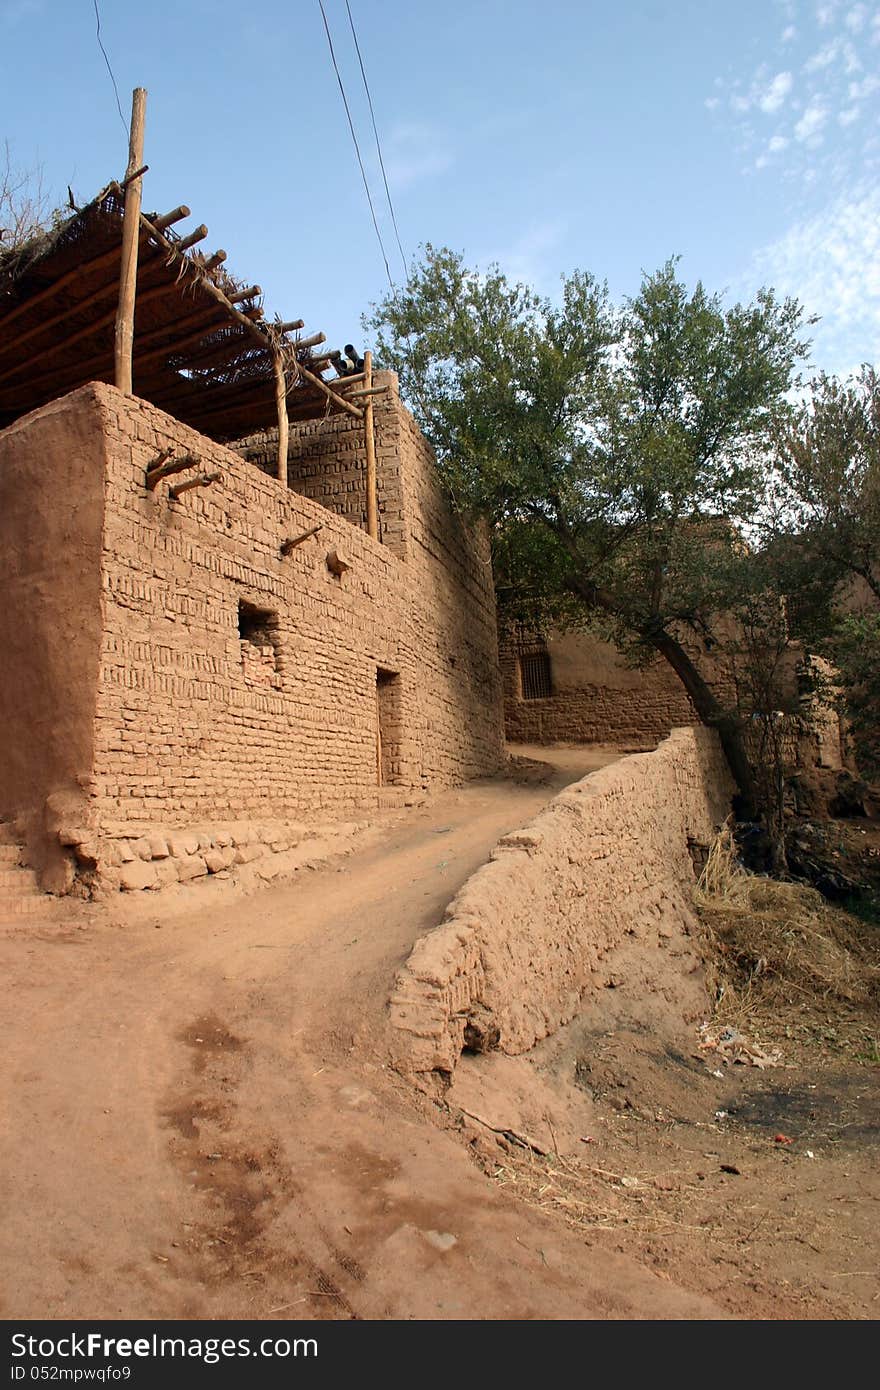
[[109, 68], [378, 142], [356, 146]]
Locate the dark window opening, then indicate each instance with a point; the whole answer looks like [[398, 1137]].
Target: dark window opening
[[258, 635], [534, 671]]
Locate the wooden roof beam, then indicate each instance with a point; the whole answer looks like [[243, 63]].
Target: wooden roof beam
[[331, 395], [197, 271], [64, 344], [109, 289], [169, 218]]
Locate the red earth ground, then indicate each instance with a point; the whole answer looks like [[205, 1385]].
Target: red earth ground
[[199, 1122]]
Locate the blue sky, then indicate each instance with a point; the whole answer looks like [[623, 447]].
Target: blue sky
[[742, 135]]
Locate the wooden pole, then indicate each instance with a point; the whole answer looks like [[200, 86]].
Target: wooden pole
[[130, 238], [288, 546], [206, 284], [281, 403], [157, 471], [169, 218], [313, 341], [373, 391], [194, 237], [331, 395], [372, 507], [351, 379], [205, 480]]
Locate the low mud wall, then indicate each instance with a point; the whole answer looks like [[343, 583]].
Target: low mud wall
[[610, 859]]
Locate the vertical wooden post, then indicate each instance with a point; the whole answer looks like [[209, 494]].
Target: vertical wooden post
[[130, 237], [283, 427], [372, 504]]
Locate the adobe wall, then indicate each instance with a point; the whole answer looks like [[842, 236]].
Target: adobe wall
[[202, 735], [51, 515], [607, 863], [195, 730], [596, 697], [449, 592], [326, 460]]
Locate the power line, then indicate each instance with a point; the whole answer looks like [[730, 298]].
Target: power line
[[378, 143], [109, 69], [356, 145]]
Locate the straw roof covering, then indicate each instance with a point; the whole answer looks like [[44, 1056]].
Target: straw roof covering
[[205, 359]]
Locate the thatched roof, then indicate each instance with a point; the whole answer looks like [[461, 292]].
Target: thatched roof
[[202, 348]]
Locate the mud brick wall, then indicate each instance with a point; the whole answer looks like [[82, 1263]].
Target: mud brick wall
[[596, 697], [450, 598], [326, 460], [191, 716], [51, 507], [184, 731], [606, 863]]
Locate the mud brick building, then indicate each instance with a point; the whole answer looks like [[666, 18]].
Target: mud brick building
[[193, 674], [167, 666], [571, 687]]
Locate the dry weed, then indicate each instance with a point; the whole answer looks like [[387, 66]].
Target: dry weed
[[781, 942]]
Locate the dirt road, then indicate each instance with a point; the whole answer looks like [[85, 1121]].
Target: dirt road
[[198, 1121]]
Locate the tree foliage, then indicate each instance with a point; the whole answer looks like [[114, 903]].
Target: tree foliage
[[828, 460], [615, 449], [855, 648], [826, 523]]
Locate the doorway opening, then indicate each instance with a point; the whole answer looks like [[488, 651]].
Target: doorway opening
[[389, 728]]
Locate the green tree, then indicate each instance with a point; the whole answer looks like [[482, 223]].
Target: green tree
[[855, 649], [614, 449], [826, 525], [828, 460]]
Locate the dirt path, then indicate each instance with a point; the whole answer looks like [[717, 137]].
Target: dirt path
[[198, 1121]]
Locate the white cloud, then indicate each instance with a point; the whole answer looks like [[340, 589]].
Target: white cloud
[[814, 106], [776, 92], [789, 33], [822, 58], [831, 263], [811, 122], [855, 19], [416, 152], [858, 91], [712, 103], [852, 62], [767, 96], [533, 256], [838, 50]]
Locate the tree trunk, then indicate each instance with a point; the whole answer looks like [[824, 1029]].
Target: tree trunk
[[712, 714], [709, 710]]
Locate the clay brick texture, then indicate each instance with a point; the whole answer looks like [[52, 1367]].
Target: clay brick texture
[[593, 697], [225, 680]]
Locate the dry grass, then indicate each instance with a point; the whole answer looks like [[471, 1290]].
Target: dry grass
[[781, 943], [588, 1196]]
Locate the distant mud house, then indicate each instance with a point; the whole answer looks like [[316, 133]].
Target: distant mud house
[[574, 688], [204, 643]]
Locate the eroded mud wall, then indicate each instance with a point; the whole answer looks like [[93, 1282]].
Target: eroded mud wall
[[608, 860], [51, 516]]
